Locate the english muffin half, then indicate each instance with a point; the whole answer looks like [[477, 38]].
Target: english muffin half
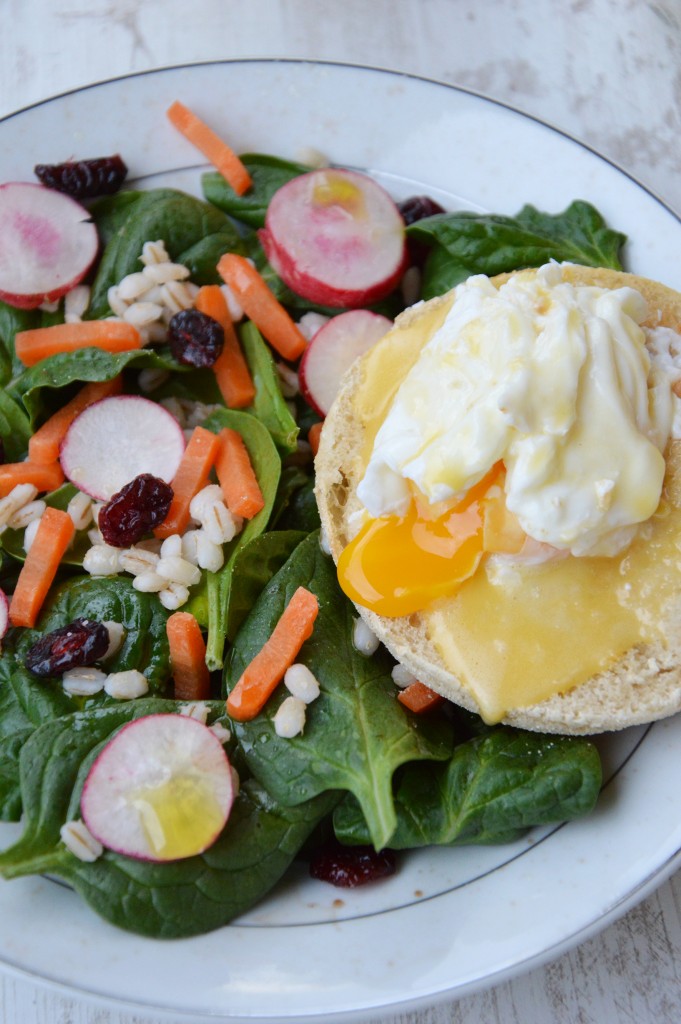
[[640, 679]]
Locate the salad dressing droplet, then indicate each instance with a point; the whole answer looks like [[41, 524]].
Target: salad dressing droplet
[[180, 817]]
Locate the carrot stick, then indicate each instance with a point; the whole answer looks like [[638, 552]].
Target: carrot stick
[[313, 436], [238, 481], [43, 447], [44, 476], [419, 698], [54, 534], [230, 368], [215, 149], [41, 342], [192, 475], [187, 657], [261, 306], [262, 675]]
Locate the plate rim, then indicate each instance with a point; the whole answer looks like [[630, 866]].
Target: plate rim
[[646, 885], [357, 66]]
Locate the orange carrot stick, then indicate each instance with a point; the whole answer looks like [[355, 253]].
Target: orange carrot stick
[[419, 698], [215, 149], [313, 436], [192, 475], [43, 447], [41, 342], [44, 476], [54, 534], [231, 369], [187, 657], [262, 675], [261, 306], [238, 481]]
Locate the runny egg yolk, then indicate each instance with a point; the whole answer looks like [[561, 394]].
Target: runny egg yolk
[[397, 565]]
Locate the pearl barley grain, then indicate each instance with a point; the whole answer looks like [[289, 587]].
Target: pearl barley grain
[[126, 685], [289, 721], [77, 838], [116, 633], [402, 677], [83, 682], [364, 639], [301, 683]]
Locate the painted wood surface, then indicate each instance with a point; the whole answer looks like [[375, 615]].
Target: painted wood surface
[[605, 71]]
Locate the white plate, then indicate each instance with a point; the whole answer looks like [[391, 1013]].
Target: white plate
[[452, 921]]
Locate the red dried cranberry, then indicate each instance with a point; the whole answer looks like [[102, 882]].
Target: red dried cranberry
[[82, 642], [417, 208], [84, 179], [135, 510], [195, 338], [350, 866]]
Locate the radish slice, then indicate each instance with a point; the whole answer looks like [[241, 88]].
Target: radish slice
[[4, 613], [160, 790], [47, 244], [114, 440], [335, 237], [333, 350]]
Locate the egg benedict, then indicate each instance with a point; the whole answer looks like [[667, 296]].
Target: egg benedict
[[499, 480]]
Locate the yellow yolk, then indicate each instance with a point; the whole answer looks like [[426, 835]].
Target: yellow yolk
[[180, 817], [401, 564]]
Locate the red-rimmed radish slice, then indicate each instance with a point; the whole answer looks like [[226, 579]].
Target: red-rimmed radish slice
[[48, 243], [333, 350], [336, 238], [160, 790], [4, 613], [117, 439]]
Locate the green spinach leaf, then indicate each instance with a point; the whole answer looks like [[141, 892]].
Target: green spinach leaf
[[171, 900], [13, 540], [268, 174], [145, 644], [269, 405], [465, 243], [495, 787], [253, 567], [181, 221], [357, 733], [15, 428], [13, 320], [267, 465], [297, 509], [24, 705], [39, 388], [111, 212]]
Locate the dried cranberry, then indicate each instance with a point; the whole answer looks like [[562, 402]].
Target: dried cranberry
[[195, 338], [84, 179], [82, 642], [417, 207], [135, 510], [350, 866]]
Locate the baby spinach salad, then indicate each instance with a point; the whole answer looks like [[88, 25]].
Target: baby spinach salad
[[362, 769]]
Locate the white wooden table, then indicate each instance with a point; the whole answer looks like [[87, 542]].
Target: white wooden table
[[605, 71]]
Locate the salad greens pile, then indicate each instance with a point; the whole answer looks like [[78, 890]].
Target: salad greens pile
[[364, 767]]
